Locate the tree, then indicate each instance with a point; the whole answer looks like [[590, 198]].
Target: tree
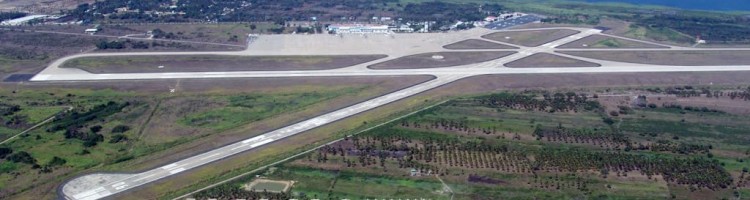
[[5, 151], [253, 27], [95, 129], [118, 138], [56, 161], [22, 157], [120, 129]]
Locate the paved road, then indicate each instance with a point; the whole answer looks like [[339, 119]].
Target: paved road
[[96, 186]]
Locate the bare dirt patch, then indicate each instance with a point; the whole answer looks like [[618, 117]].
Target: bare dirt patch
[[209, 63], [605, 42], [441, 59], [266, 185], [539, 60], [530, 38], [477, 44], [685, 58]]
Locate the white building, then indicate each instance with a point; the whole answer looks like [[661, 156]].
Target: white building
[[357, 28], [22, 20], [91, 30]]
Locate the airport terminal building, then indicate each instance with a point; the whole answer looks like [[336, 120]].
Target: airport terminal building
[[357, 28]]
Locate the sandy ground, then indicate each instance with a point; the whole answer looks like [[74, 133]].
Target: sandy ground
[[440, 59], [685, 58], [530, 38], [594, 40], [477, 44], [548, 60], [214, 63]]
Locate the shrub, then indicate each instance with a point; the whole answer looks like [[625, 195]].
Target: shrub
[[118, 138], [5, 151], [56, 161], [120, 129], [95, 129], [22, 157]]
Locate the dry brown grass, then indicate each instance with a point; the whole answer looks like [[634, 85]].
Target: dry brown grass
[[683, 58], [549, 60], [444, 59], [530, 38]]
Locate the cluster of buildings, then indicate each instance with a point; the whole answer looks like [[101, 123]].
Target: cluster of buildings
[[388, 25], [375, 28], [503, 17]]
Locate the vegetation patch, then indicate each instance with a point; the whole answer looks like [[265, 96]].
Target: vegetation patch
[[522, 145]]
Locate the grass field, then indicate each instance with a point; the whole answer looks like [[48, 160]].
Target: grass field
[[530, 38], [687, 58], [601, 41], [159, 125], [210, 63]]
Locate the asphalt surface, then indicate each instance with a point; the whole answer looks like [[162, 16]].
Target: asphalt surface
[[101, 185]]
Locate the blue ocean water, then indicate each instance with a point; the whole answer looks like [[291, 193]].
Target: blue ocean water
[[715, 5]]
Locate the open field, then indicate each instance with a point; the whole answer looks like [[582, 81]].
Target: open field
[[481, 84], [477, 44], [213, 33], [530, 38], [685, 58], [29, 52], [440, 59], [603, 41], [485, 146], [155, 135], [548, 60], [213, 63]]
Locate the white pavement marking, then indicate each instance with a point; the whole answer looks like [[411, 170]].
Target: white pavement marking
[[119, 183]]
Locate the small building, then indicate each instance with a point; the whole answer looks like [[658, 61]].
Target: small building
[[357, 28], [91, 30], [490, 18], [402, 29]]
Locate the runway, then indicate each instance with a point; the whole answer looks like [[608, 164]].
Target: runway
[[102, 185]]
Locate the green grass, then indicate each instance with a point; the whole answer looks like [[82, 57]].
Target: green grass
[[243, 109], [38, 114], [140, 61], [608, 43], [349, 184], [43, 146], [7, 132], [658, 34], [269, 186]]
